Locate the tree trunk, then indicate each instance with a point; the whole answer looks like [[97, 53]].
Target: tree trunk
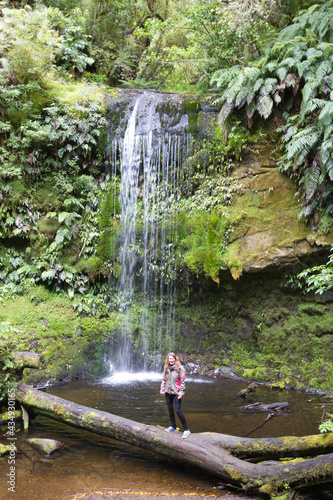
[[205, 450]]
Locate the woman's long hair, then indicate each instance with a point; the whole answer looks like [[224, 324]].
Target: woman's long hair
[[177, 362]]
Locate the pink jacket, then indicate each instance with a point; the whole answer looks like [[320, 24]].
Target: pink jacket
[[173, 382]]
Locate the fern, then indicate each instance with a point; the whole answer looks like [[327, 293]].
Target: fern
[[304, 67], [326, 114], [302, 143], [265, 106], [311, 105], [301, 59], [310, 89], [324, 68], [252, 92], [312, 181]]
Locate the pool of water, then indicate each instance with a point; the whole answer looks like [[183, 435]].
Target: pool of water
[[88, 462]]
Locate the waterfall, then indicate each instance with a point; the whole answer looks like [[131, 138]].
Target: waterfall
[[149, 154]]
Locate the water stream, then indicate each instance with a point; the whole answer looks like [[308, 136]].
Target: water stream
[[88, 462]]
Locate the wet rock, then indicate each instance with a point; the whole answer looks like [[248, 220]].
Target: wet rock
[[227, 372], [45, 445]]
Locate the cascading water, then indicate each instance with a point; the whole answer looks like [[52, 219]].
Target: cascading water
[[150, 157]]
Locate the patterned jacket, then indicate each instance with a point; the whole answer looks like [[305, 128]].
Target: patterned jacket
[[173, 382]]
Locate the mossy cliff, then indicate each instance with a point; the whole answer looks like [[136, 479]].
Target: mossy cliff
[[271, 236]]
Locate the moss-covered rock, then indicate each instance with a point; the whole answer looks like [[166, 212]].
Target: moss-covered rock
[[47, 446], [270, 236]]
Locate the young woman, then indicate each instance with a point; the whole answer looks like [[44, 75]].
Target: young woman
[[173, 386]]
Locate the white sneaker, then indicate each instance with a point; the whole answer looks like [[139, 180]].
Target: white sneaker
[[186, 434], [170, 429]]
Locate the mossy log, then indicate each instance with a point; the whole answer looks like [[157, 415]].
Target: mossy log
[[208, 451], [6, 416], [271, 448]]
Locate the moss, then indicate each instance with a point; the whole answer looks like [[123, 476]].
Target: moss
[[90, 266], [192, 108], [45, 199], [76, 93], [48, 226]]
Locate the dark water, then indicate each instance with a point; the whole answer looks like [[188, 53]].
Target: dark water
[[93, 463]]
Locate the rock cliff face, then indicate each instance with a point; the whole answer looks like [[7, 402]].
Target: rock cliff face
[[270, 235]]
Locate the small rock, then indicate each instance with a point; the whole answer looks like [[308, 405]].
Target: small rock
[[45, 445]]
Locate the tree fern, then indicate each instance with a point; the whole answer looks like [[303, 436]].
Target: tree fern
[[249, 82], [301, 59], [252, 91]]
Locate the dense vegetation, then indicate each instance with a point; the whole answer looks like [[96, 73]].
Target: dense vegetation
[[59, 60]]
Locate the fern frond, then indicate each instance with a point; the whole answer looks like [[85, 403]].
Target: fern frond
[[302, 143], [311, 105], [290, 132], [289, 64], [326, 114], [270, 85], [277, 98], [325, 68], [271, 67], [305, 68], [222, 77], [328, 132], [225, 112], [254, 90], [251, 76], [325, 153], [324, 26], [233, 90], [327, 48], [250, 109], [291, 31], [265, 106], [282, 73], [312, 180], [329, 168]]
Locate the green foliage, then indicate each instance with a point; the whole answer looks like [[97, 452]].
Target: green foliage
[[326, 426], [294, 79], [28, 44], [205, 243], [35, 40], [7, 377], [319, 278], [74, 49]]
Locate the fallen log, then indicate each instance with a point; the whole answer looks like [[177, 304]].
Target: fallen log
[[204, 450], [269, 448], [272, 407]]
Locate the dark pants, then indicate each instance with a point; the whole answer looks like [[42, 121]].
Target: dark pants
[[172, 399]]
